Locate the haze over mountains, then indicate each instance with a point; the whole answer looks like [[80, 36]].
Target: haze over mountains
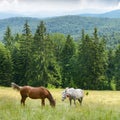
[[110, 14], [4, 15]]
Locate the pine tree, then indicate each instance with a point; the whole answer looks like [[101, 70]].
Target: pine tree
[[5, 66], [54, 74], [24, 60], [84, 64], [45, 67], [117, 67], [8, 39], [91, 63], [39, 60], [111, 68], [66, 56], [100, 62]]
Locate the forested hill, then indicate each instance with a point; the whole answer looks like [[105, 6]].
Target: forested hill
[[72, 25]]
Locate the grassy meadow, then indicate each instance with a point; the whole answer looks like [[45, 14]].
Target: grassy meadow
[[98, 105]]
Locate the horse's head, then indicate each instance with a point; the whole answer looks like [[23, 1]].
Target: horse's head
[[64, 95], [53, 103]]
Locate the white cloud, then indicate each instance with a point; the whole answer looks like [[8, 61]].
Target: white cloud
[[38, 7], [7, 5], [56, 7]]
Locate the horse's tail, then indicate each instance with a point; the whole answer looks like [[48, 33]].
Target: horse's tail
[[87, 93], [15, 86]]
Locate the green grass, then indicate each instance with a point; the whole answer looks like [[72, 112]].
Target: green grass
[[98, 105]]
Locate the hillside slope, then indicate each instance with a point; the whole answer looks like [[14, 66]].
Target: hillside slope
[[66, 25]]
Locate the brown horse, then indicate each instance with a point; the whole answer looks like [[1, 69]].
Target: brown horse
[[34, 93]]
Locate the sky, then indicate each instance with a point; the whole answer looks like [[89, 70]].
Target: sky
[[49, 8]]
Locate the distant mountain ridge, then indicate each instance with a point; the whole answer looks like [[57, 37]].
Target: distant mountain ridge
[[111, 14]]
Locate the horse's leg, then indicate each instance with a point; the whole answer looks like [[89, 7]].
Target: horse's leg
[[43, 102], [70, 101], [23, 100], [80, 100], [74, 101]]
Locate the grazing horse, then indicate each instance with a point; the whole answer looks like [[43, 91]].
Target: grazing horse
[[73, 94], [34, 93]]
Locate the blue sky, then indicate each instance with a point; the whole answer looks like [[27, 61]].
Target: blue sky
[[47, 8]]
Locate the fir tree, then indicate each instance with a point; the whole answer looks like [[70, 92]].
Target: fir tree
[[24, 60], [5, 66], [66, 55], [8, 39], [117, 67], [91, 63], [45, 67]]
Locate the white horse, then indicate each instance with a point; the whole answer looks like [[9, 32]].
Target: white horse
[[73, 94]]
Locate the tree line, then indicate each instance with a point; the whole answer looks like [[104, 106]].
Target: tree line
[[56, 60]]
